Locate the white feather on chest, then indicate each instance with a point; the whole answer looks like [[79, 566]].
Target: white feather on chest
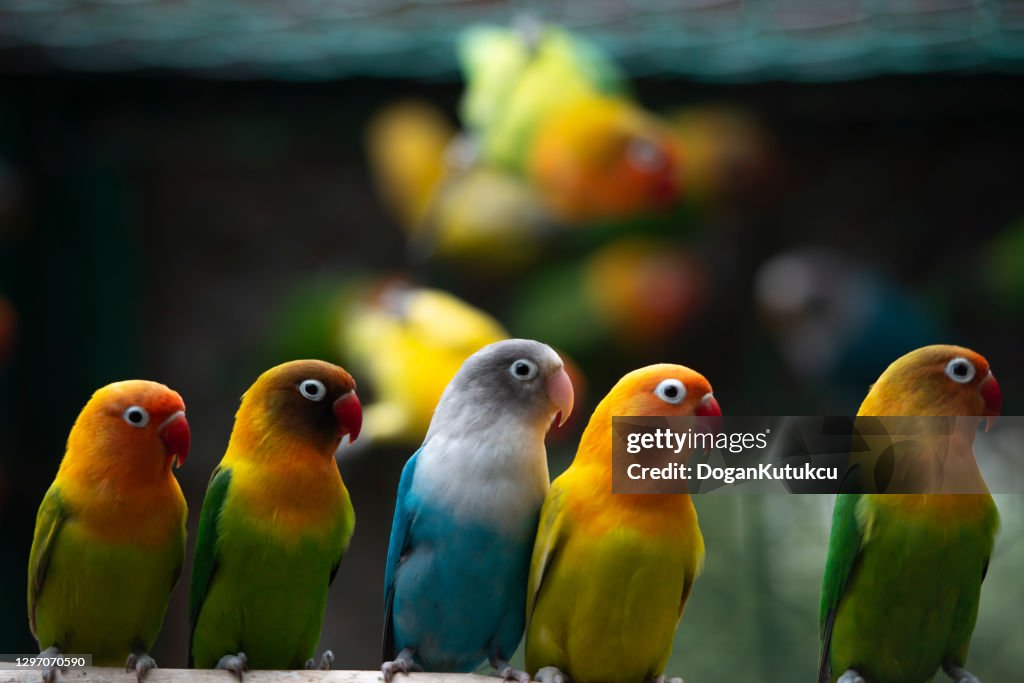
[[495, 476]]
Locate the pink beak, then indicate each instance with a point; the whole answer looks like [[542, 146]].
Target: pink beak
[[560, 393], [993, 397], [176, 436], [349, 412]]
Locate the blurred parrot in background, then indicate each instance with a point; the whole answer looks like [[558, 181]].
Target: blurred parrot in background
[[409, 342], [638, 292], [451, 206], [109, 540], [275, 522], [611, 574], [903, 576], [407, 144], [552, 107], [466, 514], [730, 156], [836, 319], [517, 77]]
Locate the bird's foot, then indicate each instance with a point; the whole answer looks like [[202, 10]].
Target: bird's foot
[[50, 672], [237, 664], [664, 679], [504, 671], [140, 664], [403, 663], [326, 659], [551, 674], [850, 676], [961, 676]]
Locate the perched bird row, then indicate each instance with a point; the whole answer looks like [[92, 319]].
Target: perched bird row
[[482, 549]]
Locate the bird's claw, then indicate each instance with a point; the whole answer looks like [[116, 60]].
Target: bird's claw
[[140, 664], [961, 676], [552, 674], [403, 663], [664, 679], [505, 672], [850, 676], [326, 659], [238, 664], [50, 673]]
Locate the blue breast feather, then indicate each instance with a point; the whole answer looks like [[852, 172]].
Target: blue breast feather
[[455, 590]]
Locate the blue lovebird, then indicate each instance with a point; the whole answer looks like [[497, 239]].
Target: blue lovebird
[[466, 515]]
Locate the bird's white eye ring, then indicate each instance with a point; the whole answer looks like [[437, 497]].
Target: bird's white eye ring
[[960, 370], [523, 369], [136, 416], [645, 155], [671, 391], [312, 389]]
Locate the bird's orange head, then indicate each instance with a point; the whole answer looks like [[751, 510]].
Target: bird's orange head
[[135, 427], [604, 158], [663, 389], [936, 380]]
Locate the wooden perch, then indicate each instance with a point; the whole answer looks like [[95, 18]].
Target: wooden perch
[[110, 675]]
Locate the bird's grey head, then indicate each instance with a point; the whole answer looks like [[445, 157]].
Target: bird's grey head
[[519, 379]]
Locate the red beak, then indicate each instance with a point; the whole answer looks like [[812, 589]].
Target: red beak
[[349, 412], [993, 397], [177, 437], [708, 407]]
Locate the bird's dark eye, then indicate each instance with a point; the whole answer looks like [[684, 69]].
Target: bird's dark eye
[[523, 369], [960, 370], [313, 389], [671, 391], [136, 416]]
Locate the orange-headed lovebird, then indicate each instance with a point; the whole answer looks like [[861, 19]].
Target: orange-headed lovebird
[[600, 158], [903, 576], [516, 77], [611, 573], [275, 522], [110, 534], [551, 106]]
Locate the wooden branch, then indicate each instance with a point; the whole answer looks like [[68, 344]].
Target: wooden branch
[[111, 675]]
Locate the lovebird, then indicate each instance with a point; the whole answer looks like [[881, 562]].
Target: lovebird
[[635, 292], [517, 77], [109, 541], [466, 514], [836, 319], [275, 523], [409, 341], [452, 207], [903, 576], [551, 106], [611, 574]]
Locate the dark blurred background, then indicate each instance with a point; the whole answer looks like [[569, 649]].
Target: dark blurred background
[[162, 219]]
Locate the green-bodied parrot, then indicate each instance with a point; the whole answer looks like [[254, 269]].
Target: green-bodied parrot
[[110, 534], [904, 571], [275, 522]]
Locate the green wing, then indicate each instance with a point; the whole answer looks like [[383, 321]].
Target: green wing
[[49, 521], [844, 549], [205, 564]]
